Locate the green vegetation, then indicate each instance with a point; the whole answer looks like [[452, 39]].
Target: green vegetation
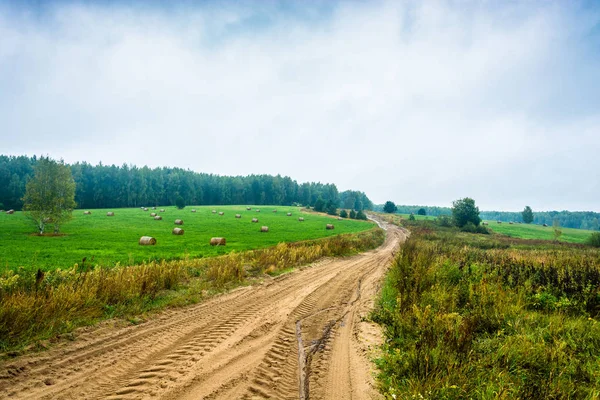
[[594, 239], [390, 207], [527, 215], [107, 241], [465, 212], [487, 317], [49, 195], [538, 232], [110, 186]]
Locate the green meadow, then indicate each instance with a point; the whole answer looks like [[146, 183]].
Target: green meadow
[[106, 241], [531, 231]]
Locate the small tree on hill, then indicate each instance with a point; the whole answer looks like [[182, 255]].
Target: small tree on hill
[[319, 205], [464, 211], [49, 195], [557, 231], [352, 214], [422, 211], [361, 215], [390, 207], [527, 215], [411, 217], [180, 202], [344, 214]]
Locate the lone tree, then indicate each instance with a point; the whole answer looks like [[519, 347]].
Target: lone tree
[[464, 211], [49, 195], [422, 211], [527, 215], [180, 202], [390, 207]]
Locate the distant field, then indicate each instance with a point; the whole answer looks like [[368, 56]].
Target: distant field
[[530, 231], [110, 240]]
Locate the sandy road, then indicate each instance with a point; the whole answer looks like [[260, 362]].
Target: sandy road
[[299, 336]]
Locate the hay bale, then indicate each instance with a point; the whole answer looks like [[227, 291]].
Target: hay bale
[[110, 214], [238, 216], [147, 241], [274, 211], [194, 210], [145, 209], [87, 213], [257, 210], [157, 218], [177, 231], [340, 218], [546, 225], [301, 219], [153, 214], [10, 212], [264, 229], [162, 210], [214, 211], [154, 208], [510, 223], [289, 214], [484, 223], [499, 222], [221, 213], [329, 226], [254, 219], [248, 208], [218, 241], [178, 222]]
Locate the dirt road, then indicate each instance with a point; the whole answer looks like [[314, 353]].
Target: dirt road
[[301, 335]]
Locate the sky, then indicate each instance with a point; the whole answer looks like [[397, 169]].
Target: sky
[[415, 102]]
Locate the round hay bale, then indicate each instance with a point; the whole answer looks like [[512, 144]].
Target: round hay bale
[[162, 210], [289, 214], [238, 216], [214, 211], [178, 222], [248, 208], [340, 218], [177, 231], [153, 214], [154, 208], [218, 241], [264, 229], [147, 241], [300, 219], [257, 210], [110, 214], [274, 211], [87, 213], [194, 210], [145, 209], [10, 212], [221, 213], [254, 219], [157, 218], [329, 226]]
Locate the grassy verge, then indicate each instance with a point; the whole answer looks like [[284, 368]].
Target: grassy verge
[[39, 306], [469, 316]]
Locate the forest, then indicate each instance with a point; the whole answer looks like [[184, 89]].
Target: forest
[[110, 186], [568, 219]]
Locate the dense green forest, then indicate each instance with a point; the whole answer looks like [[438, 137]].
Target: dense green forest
[[568, 219], [104, 186]]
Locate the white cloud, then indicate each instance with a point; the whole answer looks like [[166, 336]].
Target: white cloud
[[415, 103]]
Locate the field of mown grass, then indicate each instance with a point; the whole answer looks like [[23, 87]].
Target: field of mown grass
[[107, 241], [477, 316], [532, 231]]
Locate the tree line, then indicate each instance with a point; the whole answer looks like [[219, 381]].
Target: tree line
[[111, 186], [568, 219]]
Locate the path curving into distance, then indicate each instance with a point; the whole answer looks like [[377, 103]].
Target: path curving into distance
[[299, 336]]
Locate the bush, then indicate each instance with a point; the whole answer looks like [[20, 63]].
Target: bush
[[411, 217], [352, 214], [594, 239], [469, 227], [444, 220], [180, 202], [344, 214], [361, 215]]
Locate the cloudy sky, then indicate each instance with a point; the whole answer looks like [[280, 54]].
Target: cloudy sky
[[415, 102]]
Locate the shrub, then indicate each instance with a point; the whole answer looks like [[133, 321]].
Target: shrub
[[594, 239], [444, 220], [344, 214], [180, 202]]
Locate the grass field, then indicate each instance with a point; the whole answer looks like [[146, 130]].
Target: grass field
[[530, 231], [109, 240]]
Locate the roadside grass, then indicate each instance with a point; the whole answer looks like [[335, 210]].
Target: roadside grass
[[108, 241], [39, 306], [471, 316]]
